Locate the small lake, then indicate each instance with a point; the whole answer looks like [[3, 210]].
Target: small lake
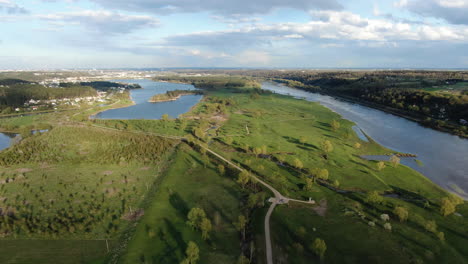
[[443, 157], [145, 110], [6, 140]]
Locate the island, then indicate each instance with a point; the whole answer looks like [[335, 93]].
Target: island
[[172, 95]]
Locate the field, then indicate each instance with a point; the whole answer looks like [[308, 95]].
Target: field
[[75, 183], [91, 180], [163, 233], [281, 140]]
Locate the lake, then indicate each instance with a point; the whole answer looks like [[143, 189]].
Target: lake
[[444, 157], [142, 109]]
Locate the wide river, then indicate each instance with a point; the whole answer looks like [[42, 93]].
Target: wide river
[[142, 109], [444, 157]]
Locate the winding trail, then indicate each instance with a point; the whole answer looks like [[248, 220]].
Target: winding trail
[[276, 200]]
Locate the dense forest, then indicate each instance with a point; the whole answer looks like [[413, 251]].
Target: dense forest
[[17, 94], [104, 86]]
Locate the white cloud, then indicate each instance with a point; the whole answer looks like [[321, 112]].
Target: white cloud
[[452, 11], [103, 22], [12, 8], [293, 36], [226, 8]]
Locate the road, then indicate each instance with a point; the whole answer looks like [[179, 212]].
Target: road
[[277, 199]]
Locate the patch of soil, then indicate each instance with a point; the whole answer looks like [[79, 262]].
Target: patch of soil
[[107, 172], [321, 209], [135, 215], [24, 170]]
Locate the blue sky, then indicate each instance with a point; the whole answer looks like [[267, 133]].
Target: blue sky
[[51, 34]]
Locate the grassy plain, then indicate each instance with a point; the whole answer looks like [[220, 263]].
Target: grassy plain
[[163, 233]]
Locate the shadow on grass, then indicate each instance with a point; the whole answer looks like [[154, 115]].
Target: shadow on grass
[[179, 204]]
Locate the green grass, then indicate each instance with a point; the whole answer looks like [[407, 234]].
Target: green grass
[[53, 251], [162, 234], [278, 123]]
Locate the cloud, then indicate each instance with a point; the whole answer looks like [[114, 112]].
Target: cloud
[[236, 19], [102, 22], [222, 7], [452, 11], [325, 26], [12, 8]]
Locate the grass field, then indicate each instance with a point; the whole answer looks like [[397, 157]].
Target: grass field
[[162, 234], [290, 130], [53, 251]]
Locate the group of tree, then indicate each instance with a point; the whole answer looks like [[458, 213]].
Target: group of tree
[[197, 219]]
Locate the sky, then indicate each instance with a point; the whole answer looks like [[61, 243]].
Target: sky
[[56, 34]]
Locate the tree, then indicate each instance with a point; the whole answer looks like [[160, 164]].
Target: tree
[[257, 151], [302, 140], [387, 226], [335, 125], [394, 160], [229, 140], [195, 217], [336, 183], [380, 165], [455, 199], [373, 197], [326, 146], [298, 164], [430, 226], [319, 247], [221, 169], [446, 207], [182, 123], [192, 254], [243, 260], [441, 236], [240, 225], [401, 213], [309, 184], [165, 117], [205, 227], [243, 178], [323, 174]]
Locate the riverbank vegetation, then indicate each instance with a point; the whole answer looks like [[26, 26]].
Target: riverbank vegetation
[[215, 82]]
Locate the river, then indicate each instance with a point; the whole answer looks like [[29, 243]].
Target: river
[[142, 109], [443, 157]]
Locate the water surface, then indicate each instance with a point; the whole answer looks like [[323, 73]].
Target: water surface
[[145, 110], [444, 157], [6, 139]]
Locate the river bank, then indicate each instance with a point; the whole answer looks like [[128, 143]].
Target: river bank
[[418, 118], [444, 156]]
